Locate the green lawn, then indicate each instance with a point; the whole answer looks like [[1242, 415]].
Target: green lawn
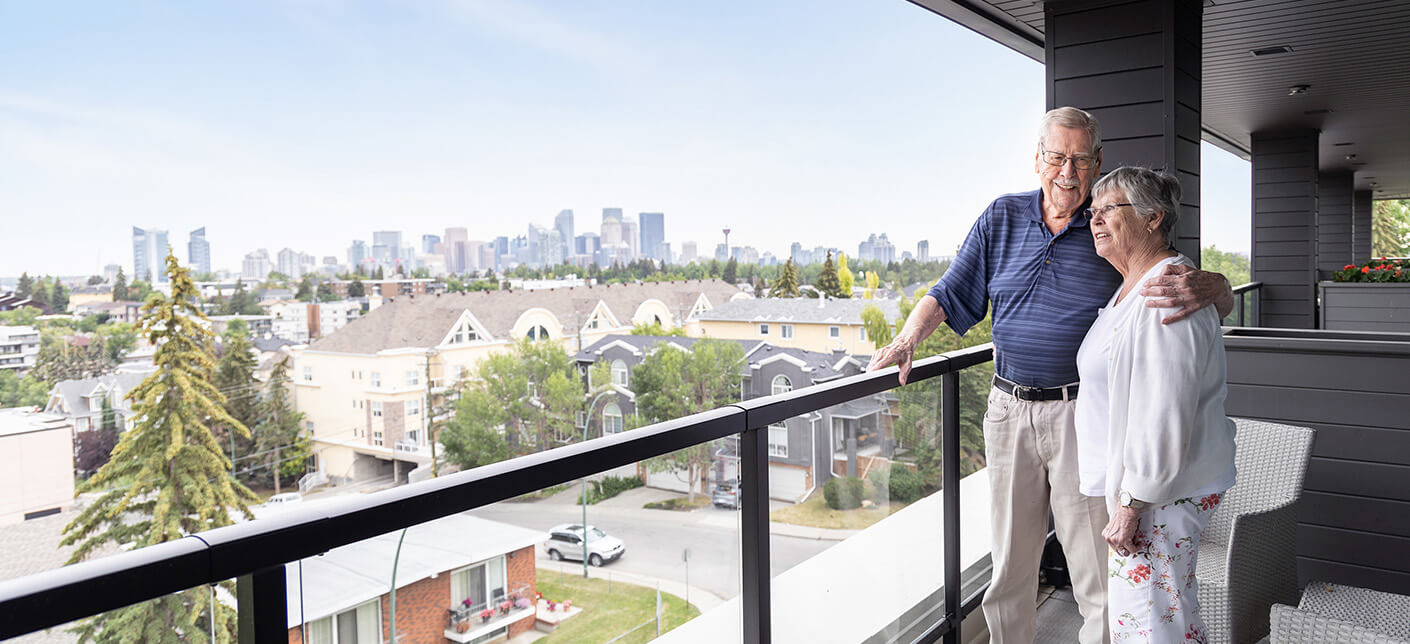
[[814, 512], [609, 613]]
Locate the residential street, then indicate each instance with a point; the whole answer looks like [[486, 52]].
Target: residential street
[[656, 539]]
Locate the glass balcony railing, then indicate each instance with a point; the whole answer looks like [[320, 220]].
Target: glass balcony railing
[[910, 571]]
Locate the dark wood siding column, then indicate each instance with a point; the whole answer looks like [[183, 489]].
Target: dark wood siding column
[[1136, 66], [1285, 226], [1360, 226], [1333, 222]]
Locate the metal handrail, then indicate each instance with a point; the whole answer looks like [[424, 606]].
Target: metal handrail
[[1251, 289], [255, 552]]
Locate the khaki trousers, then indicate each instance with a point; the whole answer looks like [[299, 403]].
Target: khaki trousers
[[1031, 448]]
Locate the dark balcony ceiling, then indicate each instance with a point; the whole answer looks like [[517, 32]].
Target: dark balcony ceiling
[[1353, 54]]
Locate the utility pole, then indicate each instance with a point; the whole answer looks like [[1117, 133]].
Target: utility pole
[[430, 411]]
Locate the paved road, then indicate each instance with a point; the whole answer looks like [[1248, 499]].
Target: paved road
[[655, 539]]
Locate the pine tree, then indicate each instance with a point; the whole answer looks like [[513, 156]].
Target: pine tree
[[235, 377], [787, 283], [356, 288], [39, 294], [827, 280], [379, 274], [731, 272], [167, 477], [59, 297], [845, 279], [278, 430], [1390, 229], [25, 287], [119, 286]]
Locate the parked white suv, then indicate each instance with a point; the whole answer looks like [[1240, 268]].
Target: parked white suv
[[566, 542]]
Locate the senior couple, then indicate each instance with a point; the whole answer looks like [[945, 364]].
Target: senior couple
[[1081, 275]]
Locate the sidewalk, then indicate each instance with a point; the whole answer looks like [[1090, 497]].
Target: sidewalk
[[697, 596]]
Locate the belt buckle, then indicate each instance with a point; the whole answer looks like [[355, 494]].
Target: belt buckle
[[1025, 393]]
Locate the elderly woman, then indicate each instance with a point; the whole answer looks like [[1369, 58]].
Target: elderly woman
[[1151, 430]]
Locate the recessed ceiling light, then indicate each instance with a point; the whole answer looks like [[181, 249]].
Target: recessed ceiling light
[[1298, 89], [1350, 157], [1271, 51]]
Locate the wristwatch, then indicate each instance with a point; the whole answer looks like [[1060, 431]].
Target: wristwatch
[[1128, 501]]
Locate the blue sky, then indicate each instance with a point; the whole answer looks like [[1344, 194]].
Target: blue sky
[[307, 123]]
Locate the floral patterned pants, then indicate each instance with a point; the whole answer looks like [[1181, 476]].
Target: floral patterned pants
[[1152, 593]]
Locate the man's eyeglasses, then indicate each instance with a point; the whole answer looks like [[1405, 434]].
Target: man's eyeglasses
[[1058, 159], [1104, 211]]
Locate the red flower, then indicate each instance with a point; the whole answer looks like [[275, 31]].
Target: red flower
[[1140, 573], [1348, 267], [1207, 503], [1365, 269]]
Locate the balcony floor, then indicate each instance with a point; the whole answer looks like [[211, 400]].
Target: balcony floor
[[1058, 619]]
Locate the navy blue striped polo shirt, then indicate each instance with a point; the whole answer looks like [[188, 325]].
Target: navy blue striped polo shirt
[[1045, 288]]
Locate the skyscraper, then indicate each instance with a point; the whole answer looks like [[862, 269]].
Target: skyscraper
[[688, 253], [631, 238], [256, 265], [563, 223], [923, 251], [611, 226], [386, 247], [457, 259], [653, 234], [357, 254], [289, 264], [149, 251], [429, 243], [198, 251]]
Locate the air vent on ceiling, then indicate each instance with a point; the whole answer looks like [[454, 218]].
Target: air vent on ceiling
[[1271, 51]]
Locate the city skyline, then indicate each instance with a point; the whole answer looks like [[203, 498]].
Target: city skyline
[[383, 115]]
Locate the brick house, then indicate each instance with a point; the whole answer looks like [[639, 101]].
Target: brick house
[[804, 451], [448, 571]]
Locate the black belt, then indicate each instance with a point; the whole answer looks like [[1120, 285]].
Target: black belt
[[1024, 392]]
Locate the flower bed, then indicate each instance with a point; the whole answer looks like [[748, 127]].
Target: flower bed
[[1376, 271]]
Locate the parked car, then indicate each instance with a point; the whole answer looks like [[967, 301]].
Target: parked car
[[566, 542], [726, 494], [284, 499]]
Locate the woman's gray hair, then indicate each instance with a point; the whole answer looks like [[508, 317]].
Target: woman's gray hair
[[1071, 117], [1148, 191]]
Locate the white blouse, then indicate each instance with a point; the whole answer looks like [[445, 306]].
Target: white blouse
[[1150, 417]]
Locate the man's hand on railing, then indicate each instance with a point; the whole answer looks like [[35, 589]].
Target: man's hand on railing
[[899, 353]]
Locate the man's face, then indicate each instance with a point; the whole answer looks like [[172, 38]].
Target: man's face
[[1065, 187]]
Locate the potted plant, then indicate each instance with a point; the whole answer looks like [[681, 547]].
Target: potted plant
[[485, 615], [522, 603], [504, 607], [567, 604], [1374, 296], [462, 626]]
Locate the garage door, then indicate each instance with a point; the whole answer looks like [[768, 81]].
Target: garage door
[[787, 483]]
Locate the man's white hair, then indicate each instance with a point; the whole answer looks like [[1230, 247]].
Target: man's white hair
[[1071, 117]]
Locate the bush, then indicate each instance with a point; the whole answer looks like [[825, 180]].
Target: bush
[[843, 493], [609, 487], [906, 485], [879, 483]]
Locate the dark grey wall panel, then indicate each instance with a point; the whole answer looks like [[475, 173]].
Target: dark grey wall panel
[[1333, 222], [1285, 199], [1366, 307], [1137, 66], [1354, 520], [1360, 226]]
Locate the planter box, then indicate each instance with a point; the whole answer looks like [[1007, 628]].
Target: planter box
[[1354, 306]]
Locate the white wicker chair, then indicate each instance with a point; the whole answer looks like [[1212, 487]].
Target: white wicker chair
[[1246, 556], [1344, 615]]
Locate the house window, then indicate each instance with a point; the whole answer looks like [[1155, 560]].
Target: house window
[[834, 332], [785, 330], [782, 385], [308, 374], [413, 407], [483, 584], [377, 438], [611, 419], [763, 329], [412, 378], [778, 440], [376, 409], [538, 333], [580, 419], [361, 625], [619, 373], [376, 379], [862, 334], [308, 425], [594, 322]]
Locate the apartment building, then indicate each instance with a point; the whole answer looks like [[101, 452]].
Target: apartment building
[[37, 479], [19, 348], [822, 325], [363, 389]]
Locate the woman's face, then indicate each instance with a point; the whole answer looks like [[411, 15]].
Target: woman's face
[[1117, 230]]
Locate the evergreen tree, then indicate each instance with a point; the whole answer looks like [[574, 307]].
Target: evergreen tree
[[40, 293], [356, 289], [325, 293], [305, 290], [378, 275], [1390, 229], [279, 430], [59, 297], [235, 377], [120, 286], [167, 477], [787, 283], [827, 280], [845, 279], [731, 272], [25, 287]]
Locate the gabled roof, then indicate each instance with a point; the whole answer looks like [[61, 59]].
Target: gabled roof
[[799, 310], [75, 392], [820, 367], [345, 577], [423, 321]]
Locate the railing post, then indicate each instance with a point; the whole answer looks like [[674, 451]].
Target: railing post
[[950, 477], [262, 604], [1241, 309], [754, 504]]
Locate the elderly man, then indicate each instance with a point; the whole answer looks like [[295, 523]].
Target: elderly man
[[1031, 255]]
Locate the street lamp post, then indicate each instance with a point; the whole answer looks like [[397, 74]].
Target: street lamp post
[[587, 421]]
